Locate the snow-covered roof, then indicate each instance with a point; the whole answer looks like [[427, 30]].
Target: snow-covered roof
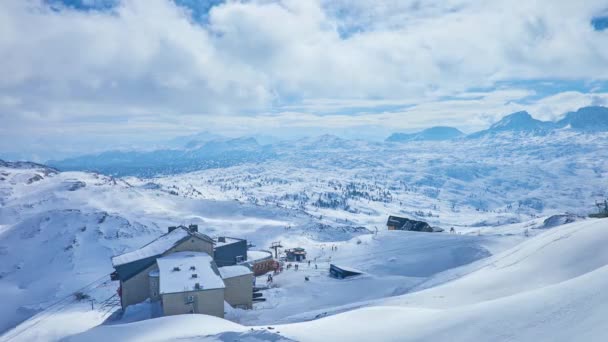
[[348, 269], [181, 271], [226, 241], [258, 255], [156, 247], [234, 271]]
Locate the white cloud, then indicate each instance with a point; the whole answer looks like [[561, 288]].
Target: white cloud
[[148, 62]]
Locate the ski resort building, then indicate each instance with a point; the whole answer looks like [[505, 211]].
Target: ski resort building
[[341, 272], [132, 269], [261, 262], [188, 282], [402, 223], [179, 270], [296, 254]]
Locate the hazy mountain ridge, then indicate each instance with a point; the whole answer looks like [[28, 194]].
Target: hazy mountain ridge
[[212, 154], [433, 133], [587, 119], [207, 151]]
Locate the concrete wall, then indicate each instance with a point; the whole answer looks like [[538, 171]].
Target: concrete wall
[[192, 245], [226, 255], [137, 288], [154, 288], [208, 302], [239, 291]]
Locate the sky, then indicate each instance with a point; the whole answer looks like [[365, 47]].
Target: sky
[[83, 76]]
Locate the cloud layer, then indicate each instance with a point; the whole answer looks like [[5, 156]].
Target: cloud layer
[[154, 66]]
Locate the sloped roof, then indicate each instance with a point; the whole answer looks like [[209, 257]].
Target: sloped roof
[[158, 246], [224, 240], [181, 271], [396, 221], [403, 223]]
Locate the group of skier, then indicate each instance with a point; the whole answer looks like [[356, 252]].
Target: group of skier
[[296, 266]]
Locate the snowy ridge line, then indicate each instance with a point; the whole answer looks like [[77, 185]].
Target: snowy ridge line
[[49, 311], [492, 263]]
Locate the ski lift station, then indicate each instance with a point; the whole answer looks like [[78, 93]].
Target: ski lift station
[[295, 254]]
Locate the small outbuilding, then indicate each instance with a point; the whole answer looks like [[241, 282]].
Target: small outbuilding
[[341, 272], [261, 262], [239, 281], [402, 223], [296, 254]]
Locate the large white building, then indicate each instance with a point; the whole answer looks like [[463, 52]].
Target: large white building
[[178, 272]]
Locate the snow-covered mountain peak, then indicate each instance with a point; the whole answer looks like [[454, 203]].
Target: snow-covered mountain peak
[[519, 121], [593, 118], [436, 133]]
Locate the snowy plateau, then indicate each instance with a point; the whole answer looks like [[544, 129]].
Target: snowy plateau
[[525, 263]]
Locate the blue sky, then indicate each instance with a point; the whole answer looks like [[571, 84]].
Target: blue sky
[[83, 76]]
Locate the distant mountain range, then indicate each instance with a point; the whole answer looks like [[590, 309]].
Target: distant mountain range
[[586, 119], [210, 154], [207, 150], [433, 133]]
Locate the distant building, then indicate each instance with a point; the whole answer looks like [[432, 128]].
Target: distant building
[[402, 223], [296, 254], [342, 272]]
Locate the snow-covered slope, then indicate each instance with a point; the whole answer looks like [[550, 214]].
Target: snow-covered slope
[[59, 230], [551, 287], [313, 193], [487, 181]]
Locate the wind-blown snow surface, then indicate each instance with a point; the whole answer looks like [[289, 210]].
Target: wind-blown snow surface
[[502, 178], [551, 287], [58, 231]]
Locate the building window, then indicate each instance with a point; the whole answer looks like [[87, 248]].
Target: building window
[[190, 299]]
